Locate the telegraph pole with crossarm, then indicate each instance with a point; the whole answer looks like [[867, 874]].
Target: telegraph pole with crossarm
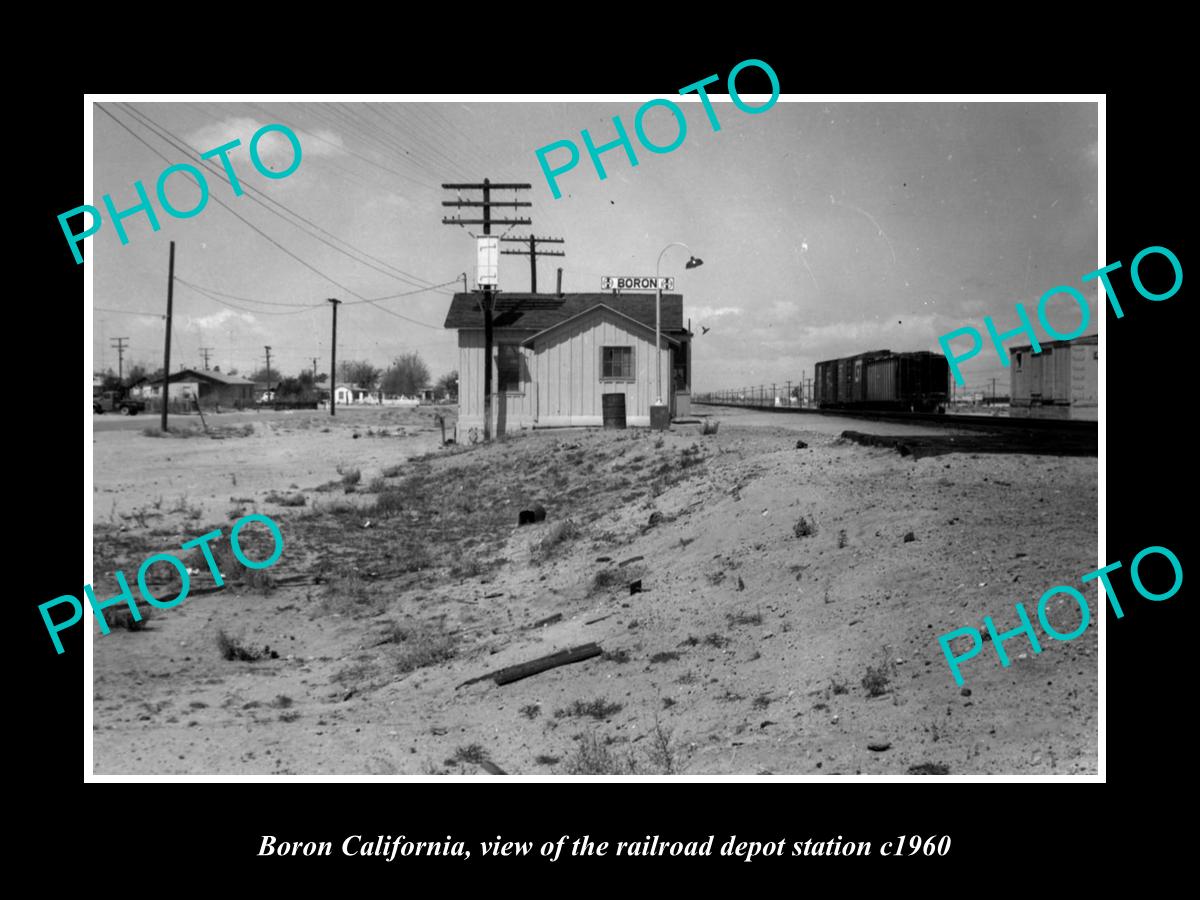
[[533, 253], [489, 294]]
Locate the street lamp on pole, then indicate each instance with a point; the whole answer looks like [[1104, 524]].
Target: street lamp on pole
[[692, 263]]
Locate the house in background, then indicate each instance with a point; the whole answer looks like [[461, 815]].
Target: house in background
[[555, 356], [211, 388], [346, 394]]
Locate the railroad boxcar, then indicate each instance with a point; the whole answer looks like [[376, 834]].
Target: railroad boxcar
[[880, 379], [1061, 381]]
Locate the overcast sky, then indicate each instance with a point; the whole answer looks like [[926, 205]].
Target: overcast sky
[[825, 229]]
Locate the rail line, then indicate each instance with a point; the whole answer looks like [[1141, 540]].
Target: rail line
[[948, 420]]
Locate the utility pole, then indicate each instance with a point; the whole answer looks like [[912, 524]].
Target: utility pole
[[268, 349], [333, 363], [533, 253], [993, 392], [204, 351], [167, 340], [120, 345], [314, 368], [488, 292]]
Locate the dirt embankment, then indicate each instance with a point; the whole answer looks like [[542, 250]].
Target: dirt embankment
[[755, 645]]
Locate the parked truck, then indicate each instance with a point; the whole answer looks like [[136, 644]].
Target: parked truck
[[114, 401]]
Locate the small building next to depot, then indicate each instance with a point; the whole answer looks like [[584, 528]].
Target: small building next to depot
[[1061, 382], [556, 356]]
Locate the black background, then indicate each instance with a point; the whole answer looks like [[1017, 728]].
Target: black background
[[1002, 833]]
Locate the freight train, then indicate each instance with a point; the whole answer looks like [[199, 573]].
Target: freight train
[[881, 379]]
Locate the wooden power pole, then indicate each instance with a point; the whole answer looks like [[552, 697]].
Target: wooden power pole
[[533, 253], [489, 293], [333, 363], [120, 345], [167, 341]]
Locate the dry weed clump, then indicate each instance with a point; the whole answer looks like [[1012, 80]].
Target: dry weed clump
[[296, 499], [560, 534], [877, 678], [234, 649], [121, 617], [597, 709], [593, 755], [804, 528], [420, 646], [348, 593]]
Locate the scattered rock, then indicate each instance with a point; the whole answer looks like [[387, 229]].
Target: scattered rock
[[929, 769], [741, 584], [800, 445], [879, 746], [529, 516], [909, 538], [966, 692], [655, 518], [635, 587]]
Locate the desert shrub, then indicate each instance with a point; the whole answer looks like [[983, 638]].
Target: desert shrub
[[233, 649], [664, 656], [593, 757], [617, 656], [469, 566], [223, 558], [560, 533], [596, 709], [605, 579], [337, 507], [743, 618], [663, 754], [377, 485], [929, 769], [387, 503], [423, 646], [474, 753], [805, 528], [349, 593], [121, 617], [710, 426], [259, 580], [296, 499], [350, 477], [876, 681], [394, 471]]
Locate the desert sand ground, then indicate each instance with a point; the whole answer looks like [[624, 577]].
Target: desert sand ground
[[751, 649]]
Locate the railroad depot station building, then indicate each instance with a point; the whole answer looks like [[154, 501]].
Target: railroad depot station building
[[556, 355]]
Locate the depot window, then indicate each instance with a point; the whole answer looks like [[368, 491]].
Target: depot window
[[508, 365], [616, 363]]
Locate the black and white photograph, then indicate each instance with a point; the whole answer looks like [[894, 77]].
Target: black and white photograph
[[734, 434]]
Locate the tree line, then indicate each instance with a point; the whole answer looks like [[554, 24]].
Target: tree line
[[407, 376]]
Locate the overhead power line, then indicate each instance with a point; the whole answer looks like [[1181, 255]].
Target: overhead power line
[[263, 199], [235, 214]]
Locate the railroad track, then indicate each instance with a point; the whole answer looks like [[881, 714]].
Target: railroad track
[[975, 423]]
